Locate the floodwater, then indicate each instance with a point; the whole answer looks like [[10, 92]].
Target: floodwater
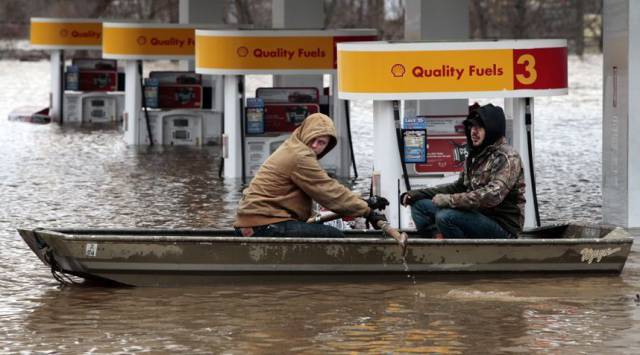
[[53, 176]]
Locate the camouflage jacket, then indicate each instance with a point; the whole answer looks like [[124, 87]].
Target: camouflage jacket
[[492, 183]]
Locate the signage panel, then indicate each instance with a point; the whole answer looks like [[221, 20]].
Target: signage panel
[[148, 40], [392, 71], [61, 33], [271, 52]]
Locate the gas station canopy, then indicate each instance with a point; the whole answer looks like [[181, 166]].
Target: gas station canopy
[[450, 70], [272, 51], [65, 33]]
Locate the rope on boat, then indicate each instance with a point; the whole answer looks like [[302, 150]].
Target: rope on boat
[[57, 272]]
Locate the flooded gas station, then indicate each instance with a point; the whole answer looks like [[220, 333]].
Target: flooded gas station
[[101, 175]]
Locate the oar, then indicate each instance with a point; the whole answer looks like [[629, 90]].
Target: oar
[[383, 225]]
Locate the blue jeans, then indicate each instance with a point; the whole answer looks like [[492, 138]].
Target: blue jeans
[[454, 223], [295, 229]]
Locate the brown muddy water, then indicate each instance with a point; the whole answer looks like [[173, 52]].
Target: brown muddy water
[[53, 176]]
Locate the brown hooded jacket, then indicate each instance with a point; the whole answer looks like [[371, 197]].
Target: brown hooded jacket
[[291, 177]]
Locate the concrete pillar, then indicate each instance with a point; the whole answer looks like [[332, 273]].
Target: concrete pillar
[[57, 87], [436, 20], [387, 159], [232, 131], [515, 110], [132, 103], [621, 114]]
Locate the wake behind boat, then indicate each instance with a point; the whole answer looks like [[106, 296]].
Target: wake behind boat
[[172, 257]]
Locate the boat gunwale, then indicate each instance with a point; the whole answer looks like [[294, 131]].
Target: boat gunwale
[[191, 238]]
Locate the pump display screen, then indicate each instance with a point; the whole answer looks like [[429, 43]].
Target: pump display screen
[[180, 134], [415, 145], [181, 122], [97, 103]]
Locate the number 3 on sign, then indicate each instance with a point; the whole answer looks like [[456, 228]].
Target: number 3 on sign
[[530, 67]]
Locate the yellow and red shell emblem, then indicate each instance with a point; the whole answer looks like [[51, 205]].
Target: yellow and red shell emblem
[[398, 70], [242, 51]]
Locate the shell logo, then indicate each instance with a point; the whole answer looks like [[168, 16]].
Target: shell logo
[[397, 70], [242, 51], [141, 40], [64, 32]]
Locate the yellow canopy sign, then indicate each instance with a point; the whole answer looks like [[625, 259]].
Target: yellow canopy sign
[[271, 52], [148, 40], [391, 71], [61, 33]]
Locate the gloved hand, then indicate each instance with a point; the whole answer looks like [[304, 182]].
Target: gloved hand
[[442, 200], [376, 202], [409, 197], [374, 217]]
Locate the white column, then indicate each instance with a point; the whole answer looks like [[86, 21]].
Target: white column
[[132, 103], [436, 20], [386, 158], [341, 154], [515, 110], [233, 161], [621, 114], [57, 91], [217, 103]]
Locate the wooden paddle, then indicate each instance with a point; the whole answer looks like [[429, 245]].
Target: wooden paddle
[[383, 225]]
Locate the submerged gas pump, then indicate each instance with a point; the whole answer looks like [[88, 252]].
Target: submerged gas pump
[[177, 110], [93, 91]]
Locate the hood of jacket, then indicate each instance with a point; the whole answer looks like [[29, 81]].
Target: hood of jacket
[[494, 122], [314, 126]]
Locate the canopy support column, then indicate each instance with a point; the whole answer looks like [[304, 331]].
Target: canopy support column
[[386, 159], [57, 85], [132, 103], [232, 133], [621, 114], [516, 111]]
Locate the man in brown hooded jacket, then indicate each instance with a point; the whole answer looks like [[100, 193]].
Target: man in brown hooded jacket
[[278, 200]]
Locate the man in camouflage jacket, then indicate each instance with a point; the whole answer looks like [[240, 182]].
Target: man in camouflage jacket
[[487, 200]]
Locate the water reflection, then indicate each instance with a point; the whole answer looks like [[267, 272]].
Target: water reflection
[[435, 316]]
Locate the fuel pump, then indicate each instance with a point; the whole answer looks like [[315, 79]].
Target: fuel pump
[[175, 110], [93, 91]]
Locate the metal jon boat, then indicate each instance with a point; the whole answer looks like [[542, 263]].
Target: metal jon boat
[[172, 257]]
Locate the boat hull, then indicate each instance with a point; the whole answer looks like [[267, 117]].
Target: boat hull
[[154, 258], [30, 114]]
